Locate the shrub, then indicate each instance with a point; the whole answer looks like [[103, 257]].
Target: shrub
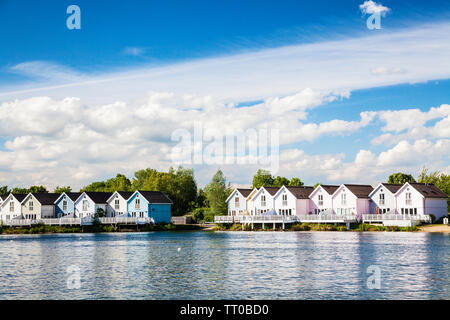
[[433, 218], [301, 227], [236, 227]]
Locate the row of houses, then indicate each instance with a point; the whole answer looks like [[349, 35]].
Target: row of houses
[[36, 206], [346, 199]]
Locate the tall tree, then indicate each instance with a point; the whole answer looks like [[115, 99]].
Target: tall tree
[[280, 181], [439, 179], [33, 189], [216, 193], [296, 182], [262, 178], [60, 190], [400, 178]]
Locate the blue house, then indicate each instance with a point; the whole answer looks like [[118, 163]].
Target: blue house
[[150, 204], [64, 205]]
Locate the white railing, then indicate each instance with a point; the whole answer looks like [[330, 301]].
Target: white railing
[[20, 222], [327, 217], [107, 220], [224, 219], [268, 218], [396, 217]]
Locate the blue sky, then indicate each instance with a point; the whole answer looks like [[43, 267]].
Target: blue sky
[[238, 53]]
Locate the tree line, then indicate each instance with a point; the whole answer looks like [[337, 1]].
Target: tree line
[[181, 187]]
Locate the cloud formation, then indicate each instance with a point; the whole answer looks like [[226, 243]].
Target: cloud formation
[[371, 7]]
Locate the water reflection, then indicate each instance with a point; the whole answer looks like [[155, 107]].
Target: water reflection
[[226, 265]]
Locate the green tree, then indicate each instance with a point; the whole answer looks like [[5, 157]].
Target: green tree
[[33, 189], [317, 184], [4, 190], [262, 178], [216, 193], [60, 190], [296, 182], [400, 178], [439, 179], [280, 181]]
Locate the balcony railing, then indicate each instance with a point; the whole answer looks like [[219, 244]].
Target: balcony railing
[[396, 217]]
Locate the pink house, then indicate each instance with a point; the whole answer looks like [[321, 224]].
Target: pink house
[[351, 199], [292, 200]]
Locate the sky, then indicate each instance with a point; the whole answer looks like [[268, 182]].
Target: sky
[[344, 103]]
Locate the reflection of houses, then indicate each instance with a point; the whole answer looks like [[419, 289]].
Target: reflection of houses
[[351, 199], [65, 204]]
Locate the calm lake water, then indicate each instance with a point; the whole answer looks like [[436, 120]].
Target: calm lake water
[[225, 265]]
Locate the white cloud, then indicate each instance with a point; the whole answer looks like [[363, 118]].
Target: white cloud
[[371, 7], [133, 51]]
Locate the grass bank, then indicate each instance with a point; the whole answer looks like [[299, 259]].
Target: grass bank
[[42, 229], [315, 227]]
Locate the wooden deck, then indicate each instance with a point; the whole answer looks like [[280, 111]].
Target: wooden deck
[[86, 221]]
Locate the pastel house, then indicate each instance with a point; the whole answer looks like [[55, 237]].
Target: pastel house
[[89, 203], [117, 203], [38, 206], [421, 199], [292, 200], [150, 204], [11, 207], [65, 204], [383, 199], [351, 199], [263, 199], [321, 199], [237, 201]]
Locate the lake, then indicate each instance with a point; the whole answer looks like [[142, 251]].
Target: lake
[[226, 265]]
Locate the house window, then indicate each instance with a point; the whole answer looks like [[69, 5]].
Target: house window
[[290, 212], [85, 205], [236, 202], [11, 206], [284, 198], [320, 199], [263, 201], [137, 204], [381, 198], [64, 205], [116, 204], [30, 205], [343, 199], [408, 198]]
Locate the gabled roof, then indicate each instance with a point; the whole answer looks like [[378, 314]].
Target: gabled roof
[[97, 197], [4, 196], [154, 196], [243, 191], [361, 191], [330, 189], [301, 192], [19, 196], [271, 190], [71, 195], [428, 190], [392, 187], [124, 194], [45, 198]]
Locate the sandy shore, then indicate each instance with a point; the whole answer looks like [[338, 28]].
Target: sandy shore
[[435, 228]]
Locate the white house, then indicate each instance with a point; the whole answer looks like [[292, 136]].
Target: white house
[[11, 206], [292, 200], [383, 198], [39, 205], [421, 199], [321, 199], [251, 203], [263, 199], [88, 203], [117, 203], [351, 199], [237, 202]]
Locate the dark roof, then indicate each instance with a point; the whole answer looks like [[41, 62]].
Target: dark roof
[[155, 196], [99, 197], [301, 192], [272, 190], [392, 187], [429, 190], [329, 188], [244, 192], [4, 196], [46, 198], [125, 194], [73, 195], [19, 196], [360, 190]]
